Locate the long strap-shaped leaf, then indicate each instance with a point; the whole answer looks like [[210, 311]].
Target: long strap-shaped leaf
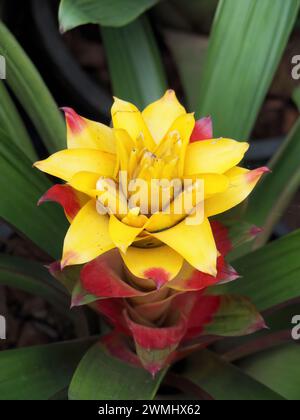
[[33, 278], [38, 373], [12, 124], [278, 320], [29, 88], [100, 376], [135, 66], [296, 97], [21, 187], [265, 341], [270, 275], [278, 369], [224, 381], [73, 13], [247, 41], [273, 194]]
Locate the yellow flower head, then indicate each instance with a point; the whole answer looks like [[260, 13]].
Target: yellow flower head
[[139, 186]]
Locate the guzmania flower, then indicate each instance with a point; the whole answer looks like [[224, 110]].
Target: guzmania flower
[[147, 247]]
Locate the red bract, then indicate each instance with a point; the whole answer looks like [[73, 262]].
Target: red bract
[[154, 327], [155, 279], [184, 318], [203, 130], [70, 199]]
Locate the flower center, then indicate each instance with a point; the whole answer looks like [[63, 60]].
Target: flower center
[[149, 183]]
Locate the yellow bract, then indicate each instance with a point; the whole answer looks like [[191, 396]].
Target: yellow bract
[[88, 236], [213, 156], [160, 115], [66, 163], [88, 134], [154, 144]]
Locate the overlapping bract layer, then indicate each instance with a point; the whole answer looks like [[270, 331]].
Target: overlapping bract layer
[[148, 271], [166, 322]]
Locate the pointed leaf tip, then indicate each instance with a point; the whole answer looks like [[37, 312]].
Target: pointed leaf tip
[[255, 231], [74, 121], [255, 174], [203, 130]]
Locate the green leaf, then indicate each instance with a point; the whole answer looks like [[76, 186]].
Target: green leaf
[[38, 373], [296, 97], [270, 275], [29, 88], [278, 368], [224, 381], [68, 277], [273, 194], [116, 13], [100, 376], [278, 319], [33, 278], [247, 41], [21, 187], [257, 345], [236, 316], [134, 62], [12, 124], [241, 233], [81, 297]]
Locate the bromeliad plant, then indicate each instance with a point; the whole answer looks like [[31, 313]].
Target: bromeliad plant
[[154, 288], [158, 270]]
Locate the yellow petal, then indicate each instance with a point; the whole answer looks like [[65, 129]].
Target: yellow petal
[[241, 183], [125, 144], [212, 183], [204, 185], [109, 195], [184, 125], [183, 204], [87, 237], [86, 134], [126, 116], [176, 140], [135, 220], [161, 114], [213, 156], [85, 182], [121, 234], [66, 163], [195, 243], [160, 264]]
